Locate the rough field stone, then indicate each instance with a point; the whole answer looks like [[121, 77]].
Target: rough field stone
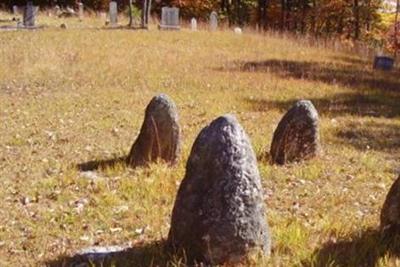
[[390, 213], [99, 254], [159, 137], [95, 256], [219, 213], [297, 136]]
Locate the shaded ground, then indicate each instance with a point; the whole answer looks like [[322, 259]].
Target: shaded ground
[[144, 255], [361, 77], [362, 249], [357, 104], [371, 135], [100, 164]]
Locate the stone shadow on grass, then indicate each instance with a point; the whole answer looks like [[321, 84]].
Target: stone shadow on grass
[[354, 75], [363, 249], [356, 104], [371, 136], [152, 254], [352, 60], [100, 164]]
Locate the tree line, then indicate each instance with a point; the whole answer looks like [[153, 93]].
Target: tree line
[[348, 18]]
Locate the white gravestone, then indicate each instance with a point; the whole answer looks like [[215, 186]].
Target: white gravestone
[[169, 18], [80, 10], [57, 10], [113, 13], [30, 13], [15, 10], [194, 24], [213, 21]]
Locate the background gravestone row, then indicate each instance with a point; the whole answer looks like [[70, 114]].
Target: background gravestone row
[[169, 16]]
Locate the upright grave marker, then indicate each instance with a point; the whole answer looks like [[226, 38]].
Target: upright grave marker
[[113, 13], [297, 136], [159, 137], [193, 23], [383, 63], [169, 18], [213, 21], [219, 212], [57, 10], [15, 10], [80, 10], [30, 12]]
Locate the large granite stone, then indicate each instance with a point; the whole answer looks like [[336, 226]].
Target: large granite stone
[[390, 214], [219, 213], [159, 137], [297, 136]]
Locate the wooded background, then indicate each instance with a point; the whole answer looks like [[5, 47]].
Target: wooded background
[[348, 19]]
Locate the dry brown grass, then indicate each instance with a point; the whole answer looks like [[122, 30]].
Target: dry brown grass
[[69, 97]]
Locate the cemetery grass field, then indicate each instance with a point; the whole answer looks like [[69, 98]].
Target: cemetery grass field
[[73, 99]]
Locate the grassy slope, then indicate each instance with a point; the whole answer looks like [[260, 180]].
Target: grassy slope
[[68, 97]]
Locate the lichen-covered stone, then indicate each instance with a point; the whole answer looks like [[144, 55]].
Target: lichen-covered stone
[[390, 214], [219, 213], [159, 137], [297, 136]]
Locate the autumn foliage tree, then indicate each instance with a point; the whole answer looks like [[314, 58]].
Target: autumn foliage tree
[[354, 19], [196, 8]]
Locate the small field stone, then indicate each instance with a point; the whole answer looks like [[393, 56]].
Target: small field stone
[[96, 256], [219, 213], [159, 137], [238, 30], [390, 214], [297, 136], [90, 175]]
